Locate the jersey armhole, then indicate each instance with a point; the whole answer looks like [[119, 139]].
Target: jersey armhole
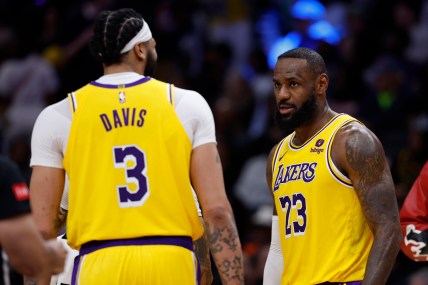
[[73, 102], [170, 94], [276, 153], [332, 168]]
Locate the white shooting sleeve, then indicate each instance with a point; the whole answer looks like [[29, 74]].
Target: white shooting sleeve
[[274, 263]]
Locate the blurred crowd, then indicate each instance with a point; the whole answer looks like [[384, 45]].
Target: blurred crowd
[[378, 68]]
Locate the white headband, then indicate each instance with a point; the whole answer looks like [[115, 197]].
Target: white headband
[[143, 36]]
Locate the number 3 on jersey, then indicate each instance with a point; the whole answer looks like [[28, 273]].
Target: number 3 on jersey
[[133, 161], [294, 207]]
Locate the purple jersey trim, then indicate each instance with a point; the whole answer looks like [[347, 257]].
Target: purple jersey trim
[[330, 167], [342, 283], [317, 133], [140, 81], [73, 101], [183, 241], [170, 93]]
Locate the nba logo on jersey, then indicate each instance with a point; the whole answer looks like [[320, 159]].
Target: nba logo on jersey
[[122, 97]]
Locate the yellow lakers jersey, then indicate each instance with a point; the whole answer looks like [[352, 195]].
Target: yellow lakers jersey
[[128, 159], [323, 232]]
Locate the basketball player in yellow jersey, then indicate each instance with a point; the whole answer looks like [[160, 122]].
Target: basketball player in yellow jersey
[[336, 216], [143, 142], [131, 165]]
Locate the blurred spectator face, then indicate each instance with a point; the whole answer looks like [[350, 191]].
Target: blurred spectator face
[[404, 17]]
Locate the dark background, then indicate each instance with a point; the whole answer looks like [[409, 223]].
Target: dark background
[[378, 70]]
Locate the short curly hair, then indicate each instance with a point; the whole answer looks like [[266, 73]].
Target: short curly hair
[[315, 61]]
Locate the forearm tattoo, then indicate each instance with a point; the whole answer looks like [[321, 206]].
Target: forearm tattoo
[[204, 259], [225, 247]]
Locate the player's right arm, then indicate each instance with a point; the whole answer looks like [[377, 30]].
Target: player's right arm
[[46, 186], [48, 142], [274, 262]]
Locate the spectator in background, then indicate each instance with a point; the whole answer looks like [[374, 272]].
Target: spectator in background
[[388, 94], [232, 111], [412, 157], [259, 77], [229, 23], [414, 224], [26, 83], [414, 219], [416, 51], [419, 277], [30, 80]]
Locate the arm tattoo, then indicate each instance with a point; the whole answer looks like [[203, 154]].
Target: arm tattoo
[[203, 256], [375, 189], [204, 259], [226, 240], [365, 156], [367, 159]]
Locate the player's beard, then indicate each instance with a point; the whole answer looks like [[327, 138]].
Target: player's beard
[[303, 115], [150, 65]]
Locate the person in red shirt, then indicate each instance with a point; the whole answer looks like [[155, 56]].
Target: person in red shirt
[[414, 219]]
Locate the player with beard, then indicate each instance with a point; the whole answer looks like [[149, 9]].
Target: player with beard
[[131, 148], [335, 218]]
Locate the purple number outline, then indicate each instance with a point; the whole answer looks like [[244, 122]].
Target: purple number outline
[[134, 175], [287, 204]]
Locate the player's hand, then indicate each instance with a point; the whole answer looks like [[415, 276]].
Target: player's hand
[[58, 255]]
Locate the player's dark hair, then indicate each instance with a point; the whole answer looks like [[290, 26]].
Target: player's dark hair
[[112, 30], [316, 64]]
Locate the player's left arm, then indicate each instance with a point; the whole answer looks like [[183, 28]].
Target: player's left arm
[[360, 155]]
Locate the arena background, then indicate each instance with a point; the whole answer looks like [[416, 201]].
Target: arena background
[[376, 52]]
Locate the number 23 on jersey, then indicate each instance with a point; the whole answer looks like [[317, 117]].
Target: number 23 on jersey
[[294, 207]]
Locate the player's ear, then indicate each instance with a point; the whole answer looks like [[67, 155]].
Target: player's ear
[[140, 51], [322, 83]]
